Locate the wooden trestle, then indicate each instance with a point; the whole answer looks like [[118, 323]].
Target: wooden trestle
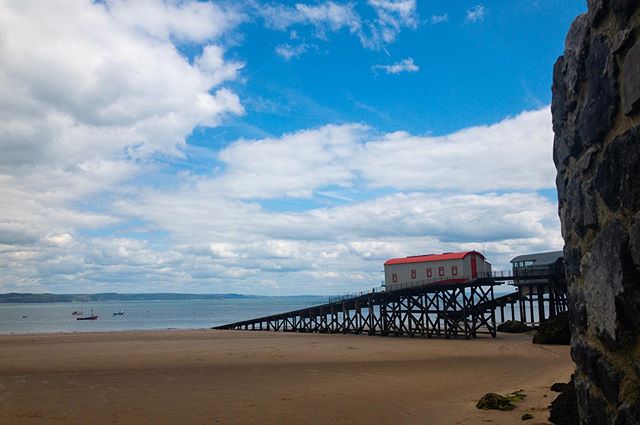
[[443, 310]]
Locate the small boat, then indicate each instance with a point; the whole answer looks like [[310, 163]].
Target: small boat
[[92, 317], [118, 313], [77, 313]]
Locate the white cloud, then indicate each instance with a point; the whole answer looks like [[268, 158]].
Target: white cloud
[[324, 16], [103, 91], [354, 238], [438, 19], [289, 52], [391, 17], [476, 14], [405, 65], [447, 204], [494, 157], [183, 20], [99, 89], [293, 165], [483, 158], [91, 85]]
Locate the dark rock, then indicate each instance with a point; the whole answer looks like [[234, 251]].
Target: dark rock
[[622, 39], [631, 79], [512, 326], [560, 387], [603, 279], [623, 9], [526, 416], [564, 409], [618, 173], [609, 380], [592, 407], [554, 331], [597, 11], [601, 94], [596, 110], [586, 356], [628, 414], [572, 258], [577, 314], [493, 401], [634, 240]]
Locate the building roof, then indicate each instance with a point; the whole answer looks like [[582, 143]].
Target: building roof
[[431, 257], [540, 258]]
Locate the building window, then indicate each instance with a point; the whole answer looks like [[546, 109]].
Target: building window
[[413, 274], [394, 277], [454, 270], [429, 272], [440, 271]]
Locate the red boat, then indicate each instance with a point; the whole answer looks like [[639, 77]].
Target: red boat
[[92, 317]]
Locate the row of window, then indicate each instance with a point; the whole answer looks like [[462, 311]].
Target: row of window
[[454, 272]]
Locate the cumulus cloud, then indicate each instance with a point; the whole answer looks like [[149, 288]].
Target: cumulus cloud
[[494, 157], [448, 202], [91, 85], [476, 14], [183, 20], [405, 65], [349, 240], [483, 158], [103, 92], [293, 165], [100, 89]]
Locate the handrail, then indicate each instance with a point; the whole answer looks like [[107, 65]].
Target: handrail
[[424, 282]]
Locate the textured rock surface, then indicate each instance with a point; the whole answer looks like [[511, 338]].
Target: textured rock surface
[[512, 327], [596, 120], [564, 409], [554, 331]]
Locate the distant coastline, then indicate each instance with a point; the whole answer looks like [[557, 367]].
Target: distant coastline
[[19, 297]]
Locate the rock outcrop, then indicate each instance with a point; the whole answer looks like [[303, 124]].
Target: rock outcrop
[[554, 331], [513, 327], [596, 120]]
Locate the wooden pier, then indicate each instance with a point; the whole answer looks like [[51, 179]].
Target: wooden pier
[[442, 309]]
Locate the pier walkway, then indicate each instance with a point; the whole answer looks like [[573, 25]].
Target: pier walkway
[[463, 307]]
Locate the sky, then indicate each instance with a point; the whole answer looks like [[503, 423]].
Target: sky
[[273, 148]]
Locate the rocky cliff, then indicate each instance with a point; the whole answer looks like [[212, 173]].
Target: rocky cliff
[[596, 120]]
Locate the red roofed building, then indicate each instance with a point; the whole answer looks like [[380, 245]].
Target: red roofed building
[[454, 267]]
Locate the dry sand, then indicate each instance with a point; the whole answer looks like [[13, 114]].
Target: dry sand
[[234, 377]]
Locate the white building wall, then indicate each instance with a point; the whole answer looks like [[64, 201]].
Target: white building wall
[[404, 278], [403, 272]]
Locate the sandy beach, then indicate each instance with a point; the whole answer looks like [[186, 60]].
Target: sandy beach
[[233, 377]]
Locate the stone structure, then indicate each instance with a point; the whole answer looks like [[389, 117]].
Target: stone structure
[[596, 120]]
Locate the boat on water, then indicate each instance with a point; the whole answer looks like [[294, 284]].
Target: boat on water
[[77, 313], [92, 317], [118, 313]]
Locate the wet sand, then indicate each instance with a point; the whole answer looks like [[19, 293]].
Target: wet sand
[[234, 377]]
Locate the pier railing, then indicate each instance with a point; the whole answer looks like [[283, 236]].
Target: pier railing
[[496, 275]]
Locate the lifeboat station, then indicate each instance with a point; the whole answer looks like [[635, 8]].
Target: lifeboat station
[[452, 294]]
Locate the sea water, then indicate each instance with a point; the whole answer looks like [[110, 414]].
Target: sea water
[[143, 315]]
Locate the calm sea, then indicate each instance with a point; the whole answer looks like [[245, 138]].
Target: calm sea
[[143, 315]]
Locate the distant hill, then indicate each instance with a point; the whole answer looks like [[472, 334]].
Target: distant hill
[[17, 297]]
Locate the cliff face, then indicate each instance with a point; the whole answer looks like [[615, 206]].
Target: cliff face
[[596, 120]]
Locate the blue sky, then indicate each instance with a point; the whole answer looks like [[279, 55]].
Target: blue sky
[[271, 147]]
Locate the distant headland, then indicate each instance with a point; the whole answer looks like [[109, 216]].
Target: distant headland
[[18, 297]]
